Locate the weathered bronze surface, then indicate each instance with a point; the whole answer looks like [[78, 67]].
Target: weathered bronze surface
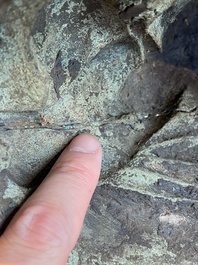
[[74, 66]]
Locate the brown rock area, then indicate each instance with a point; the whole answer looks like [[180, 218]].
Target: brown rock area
[[125, 71]]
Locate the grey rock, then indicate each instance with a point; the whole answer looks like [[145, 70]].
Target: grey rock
[[75, 66]]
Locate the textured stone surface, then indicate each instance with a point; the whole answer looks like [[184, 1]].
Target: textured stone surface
[[130, 78]]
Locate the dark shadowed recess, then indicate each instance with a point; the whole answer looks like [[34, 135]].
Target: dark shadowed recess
[[180, 43]]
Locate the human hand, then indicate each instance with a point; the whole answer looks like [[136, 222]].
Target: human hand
[[46, 228]]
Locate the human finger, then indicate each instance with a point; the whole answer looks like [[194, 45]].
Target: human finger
[[46, 228]]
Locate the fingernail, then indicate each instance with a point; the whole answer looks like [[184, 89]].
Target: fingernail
[[84, 143]]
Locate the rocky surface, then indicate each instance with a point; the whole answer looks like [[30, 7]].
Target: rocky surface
[[125, 71]]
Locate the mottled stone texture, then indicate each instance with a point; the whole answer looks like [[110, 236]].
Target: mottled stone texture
[[125, 71]]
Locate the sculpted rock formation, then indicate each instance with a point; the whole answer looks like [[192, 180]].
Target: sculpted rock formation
[[125, 71]]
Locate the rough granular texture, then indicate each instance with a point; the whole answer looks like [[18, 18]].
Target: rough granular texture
[[125, 71]]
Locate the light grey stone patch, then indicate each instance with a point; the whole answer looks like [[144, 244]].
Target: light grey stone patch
[[11, 195], [73, 258], [5, 155], [172, 219], [23, 80], [14, 192]]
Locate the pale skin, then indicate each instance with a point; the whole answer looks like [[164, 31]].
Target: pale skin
[[46, 228]]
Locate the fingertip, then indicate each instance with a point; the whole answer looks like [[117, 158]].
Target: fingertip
[[85, 143]]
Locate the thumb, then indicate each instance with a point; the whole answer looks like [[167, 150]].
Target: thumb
[[46, 228]]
